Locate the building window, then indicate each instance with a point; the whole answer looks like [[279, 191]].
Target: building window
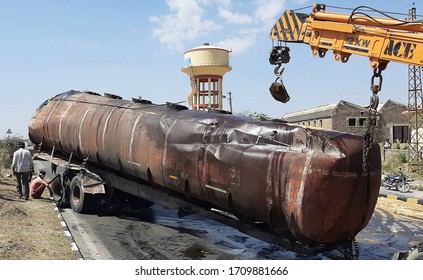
[[400, 133], [361, 121], [321, 123], [357, 121]]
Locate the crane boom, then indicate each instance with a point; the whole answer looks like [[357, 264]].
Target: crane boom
[[381, 39]]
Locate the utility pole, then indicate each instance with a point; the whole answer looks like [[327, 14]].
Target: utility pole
[[230, 101], [415, 111]]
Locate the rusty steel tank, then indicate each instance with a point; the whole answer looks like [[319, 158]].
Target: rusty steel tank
[[307, 182]]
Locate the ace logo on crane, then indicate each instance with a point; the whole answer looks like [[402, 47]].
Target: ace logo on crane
[[400, 49]]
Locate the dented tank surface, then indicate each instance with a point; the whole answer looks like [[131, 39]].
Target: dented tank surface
[[307, 182]]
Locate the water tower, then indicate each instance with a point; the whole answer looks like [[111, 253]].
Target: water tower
[[206, 66]]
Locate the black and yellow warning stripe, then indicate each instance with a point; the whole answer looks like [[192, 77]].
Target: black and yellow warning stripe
[[288, 27]]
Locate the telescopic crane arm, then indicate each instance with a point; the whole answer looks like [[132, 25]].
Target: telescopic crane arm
[[380, 39]]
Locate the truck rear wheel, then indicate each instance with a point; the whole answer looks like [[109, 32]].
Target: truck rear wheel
[[79, 200], [60, 191]]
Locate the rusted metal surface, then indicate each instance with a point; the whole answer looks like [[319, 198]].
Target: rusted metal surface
[[305, 181]]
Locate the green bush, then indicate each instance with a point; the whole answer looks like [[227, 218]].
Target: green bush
[[394, 163], [402, 158], [7, 147]]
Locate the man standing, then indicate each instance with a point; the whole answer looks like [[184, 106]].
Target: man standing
[[22, 166]]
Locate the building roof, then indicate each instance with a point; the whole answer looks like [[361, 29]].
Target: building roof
[[320, 112], [382, 104], [325, 111]]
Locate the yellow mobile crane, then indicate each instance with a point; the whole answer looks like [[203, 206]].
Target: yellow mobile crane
[[381, 39]]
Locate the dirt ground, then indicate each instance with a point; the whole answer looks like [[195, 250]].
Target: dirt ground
[[31, 230], [400, 210]]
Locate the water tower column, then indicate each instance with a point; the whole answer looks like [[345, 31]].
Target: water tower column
[[209, 92]]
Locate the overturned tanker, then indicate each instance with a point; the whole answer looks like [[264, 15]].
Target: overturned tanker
[[306, 182]]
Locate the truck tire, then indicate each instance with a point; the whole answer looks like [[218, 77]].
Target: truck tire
[[60, 192], [56, 187], [79, 201]]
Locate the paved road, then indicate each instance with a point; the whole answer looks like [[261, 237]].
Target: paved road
[[414, 194], [159, 233]]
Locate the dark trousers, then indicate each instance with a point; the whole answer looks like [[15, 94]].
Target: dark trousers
[[22, 178]]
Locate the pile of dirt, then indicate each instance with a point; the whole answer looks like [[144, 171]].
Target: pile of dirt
[[30, 229]]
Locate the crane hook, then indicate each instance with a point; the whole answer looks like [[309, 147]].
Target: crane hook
[[279, 55], [278, 73]]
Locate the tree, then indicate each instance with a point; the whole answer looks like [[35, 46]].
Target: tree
[[7, 147], [254, 115]]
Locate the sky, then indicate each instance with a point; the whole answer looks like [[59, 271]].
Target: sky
[[136, 48]]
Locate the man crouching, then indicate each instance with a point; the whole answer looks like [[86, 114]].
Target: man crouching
[[38, 185]]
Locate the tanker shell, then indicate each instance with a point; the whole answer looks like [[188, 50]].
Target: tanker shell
[[300, 181]]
